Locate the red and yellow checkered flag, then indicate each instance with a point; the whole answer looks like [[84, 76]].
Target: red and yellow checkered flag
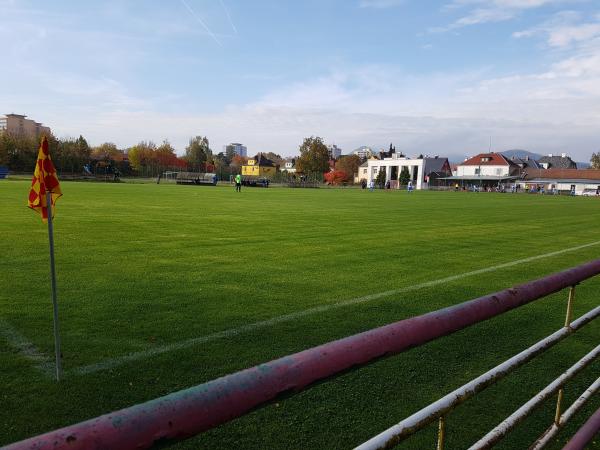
[[44, 180]]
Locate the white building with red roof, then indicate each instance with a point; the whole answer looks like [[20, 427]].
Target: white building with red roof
[[487, 165], [488, 169]]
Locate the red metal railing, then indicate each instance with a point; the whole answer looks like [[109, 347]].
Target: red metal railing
[[191, 411], [585, 434]]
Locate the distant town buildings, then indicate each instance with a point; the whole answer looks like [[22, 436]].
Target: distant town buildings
[[289, 165], [334, 151], [363, 152], [259, 166], [235, 148], [18, 125]]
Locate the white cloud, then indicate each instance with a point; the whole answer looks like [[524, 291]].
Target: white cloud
[[446, 113], [490, 11], [564, 29], [552, 110]]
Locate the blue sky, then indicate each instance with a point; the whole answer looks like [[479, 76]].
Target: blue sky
[[434, 77]]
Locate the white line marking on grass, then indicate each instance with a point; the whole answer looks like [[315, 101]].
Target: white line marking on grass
[[115, 362], [27, 349]]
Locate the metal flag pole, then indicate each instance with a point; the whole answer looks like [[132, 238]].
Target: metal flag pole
[[53, 277]]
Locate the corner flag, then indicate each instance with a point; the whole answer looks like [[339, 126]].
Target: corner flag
[[44, 181], [45, 190]]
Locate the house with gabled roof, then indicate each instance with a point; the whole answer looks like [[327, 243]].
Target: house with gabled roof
[[525, 163], [435, 168], [289, 165], [557, 162], [485, 169], [259, 166]]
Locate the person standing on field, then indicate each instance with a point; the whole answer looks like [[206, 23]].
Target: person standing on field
[[238, 183]]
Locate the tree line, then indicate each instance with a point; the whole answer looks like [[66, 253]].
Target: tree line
[[76, 156]]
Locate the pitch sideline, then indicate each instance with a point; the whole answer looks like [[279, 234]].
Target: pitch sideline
[[144, 354]]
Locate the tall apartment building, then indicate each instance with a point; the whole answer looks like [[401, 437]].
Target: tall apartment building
[[17, 124], [334, 151], [236, 148]]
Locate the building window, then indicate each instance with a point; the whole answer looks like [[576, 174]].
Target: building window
[[477, 171]]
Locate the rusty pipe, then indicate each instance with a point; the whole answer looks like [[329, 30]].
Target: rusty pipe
[[191, 411], [585, 434]]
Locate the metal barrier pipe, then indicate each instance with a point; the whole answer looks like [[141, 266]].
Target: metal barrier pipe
[[553, 430], [520, 414], [585, 434], [420, 419], [191, 411]]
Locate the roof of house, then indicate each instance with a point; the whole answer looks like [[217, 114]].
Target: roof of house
[[435, 164], [563, 174], [558, 162], [526, 163], [263, 161], [488, 159]]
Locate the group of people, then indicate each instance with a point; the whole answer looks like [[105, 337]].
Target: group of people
[[515, 188], [239, 182], [363, 184]]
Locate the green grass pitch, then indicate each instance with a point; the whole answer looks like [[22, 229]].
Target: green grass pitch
[[144, 266]]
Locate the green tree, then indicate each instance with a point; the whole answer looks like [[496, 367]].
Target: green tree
[[141, 155], [3, 150], [314, 156], [68, 154], [595, 161], [106, 151], [380, 179], [20, 152], [221, 164], [349, 165], [404, 176], [198, 152], [165, 156]]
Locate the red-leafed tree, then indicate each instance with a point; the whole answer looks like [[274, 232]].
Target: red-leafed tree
[[237, 162], [335, 177], [349, 165]]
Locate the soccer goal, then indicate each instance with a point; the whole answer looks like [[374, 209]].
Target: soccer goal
[[170, 177]]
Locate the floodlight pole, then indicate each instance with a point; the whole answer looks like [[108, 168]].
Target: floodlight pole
[[53, 279]]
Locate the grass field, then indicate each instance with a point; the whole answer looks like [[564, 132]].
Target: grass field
[[143, 269]]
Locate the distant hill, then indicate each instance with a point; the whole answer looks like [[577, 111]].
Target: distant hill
[[457, 158], [521, 154]]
